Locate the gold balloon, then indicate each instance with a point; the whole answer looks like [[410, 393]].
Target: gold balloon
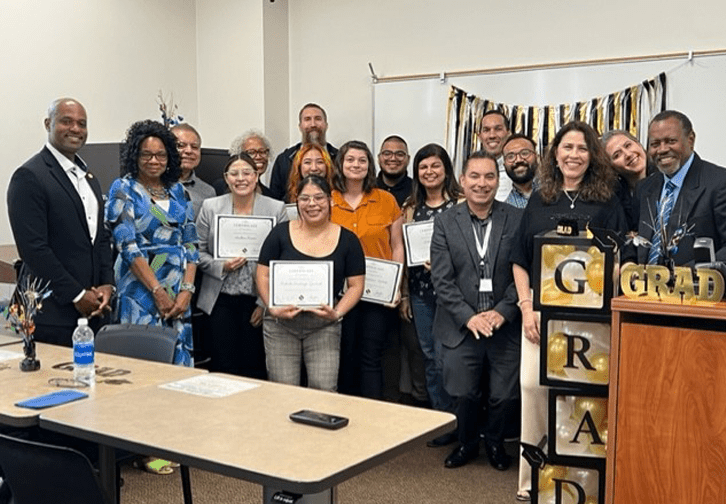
[[591, 499], [548, 474], [597, 406], [551, 295], [550, 253], [601, 374], [596, 275], [556, 353], [601, 449], [595, 253]]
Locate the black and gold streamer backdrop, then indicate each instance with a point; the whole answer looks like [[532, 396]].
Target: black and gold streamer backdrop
[[629, 109]]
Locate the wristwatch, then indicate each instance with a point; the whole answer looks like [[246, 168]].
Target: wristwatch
[[187, 286]]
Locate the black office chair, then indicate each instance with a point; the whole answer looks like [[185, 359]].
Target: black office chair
[[39, 473], [153, 343]]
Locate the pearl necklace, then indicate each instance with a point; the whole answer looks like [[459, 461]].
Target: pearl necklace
[[572, 200]]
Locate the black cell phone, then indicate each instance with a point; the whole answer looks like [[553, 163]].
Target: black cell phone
[[319, 419]]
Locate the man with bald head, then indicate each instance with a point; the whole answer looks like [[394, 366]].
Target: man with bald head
[[55, 207]]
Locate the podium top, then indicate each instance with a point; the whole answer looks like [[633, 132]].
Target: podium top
[[624, 304]]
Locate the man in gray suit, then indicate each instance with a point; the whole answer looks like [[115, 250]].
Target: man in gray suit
[[477, 319]]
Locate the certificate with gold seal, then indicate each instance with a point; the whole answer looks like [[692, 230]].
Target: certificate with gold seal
[[417, 239], [241, 235], [382, 280], [301, 283]]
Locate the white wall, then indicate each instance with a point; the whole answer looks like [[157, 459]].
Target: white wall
[[230, 69], [112, 55], [332, 41]]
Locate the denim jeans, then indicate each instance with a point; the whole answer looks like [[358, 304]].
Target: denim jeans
[[308, 337], [423, 319]]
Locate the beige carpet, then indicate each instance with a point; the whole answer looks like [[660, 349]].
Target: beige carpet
[[416, 477]]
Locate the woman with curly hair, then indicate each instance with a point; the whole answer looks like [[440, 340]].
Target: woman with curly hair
[[311, 159], [577, 182], [152, 222]]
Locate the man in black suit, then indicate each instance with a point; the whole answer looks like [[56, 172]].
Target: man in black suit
[[313, 126], [697, 188], [477, 319], [56, 214]]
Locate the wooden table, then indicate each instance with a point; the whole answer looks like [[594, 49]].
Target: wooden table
[[248, 435], [114, 375], [9, 338]]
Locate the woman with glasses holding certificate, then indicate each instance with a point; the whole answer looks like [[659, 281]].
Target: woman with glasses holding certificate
[[301, 261], [375, 218], [228, 294], [434, 190]]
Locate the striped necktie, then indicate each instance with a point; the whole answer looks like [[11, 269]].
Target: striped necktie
[[664, 214]]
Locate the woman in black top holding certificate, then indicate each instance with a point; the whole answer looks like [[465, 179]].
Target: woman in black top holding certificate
[[292, 333], [434, 191], [227, 292]]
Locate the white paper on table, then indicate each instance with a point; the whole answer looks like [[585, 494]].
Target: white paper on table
[[8, 355], [209, 386]]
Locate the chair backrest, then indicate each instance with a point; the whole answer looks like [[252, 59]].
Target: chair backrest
[[152, 343], [39, 473]]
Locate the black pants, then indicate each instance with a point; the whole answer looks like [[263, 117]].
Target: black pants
[[233, 344]]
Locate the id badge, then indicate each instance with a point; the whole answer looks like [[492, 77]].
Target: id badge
[[485, 285]]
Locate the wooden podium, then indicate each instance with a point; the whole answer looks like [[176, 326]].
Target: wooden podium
[[667, 404]]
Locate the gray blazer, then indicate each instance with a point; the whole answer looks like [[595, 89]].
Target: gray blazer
[[454, 271], [213, 274]]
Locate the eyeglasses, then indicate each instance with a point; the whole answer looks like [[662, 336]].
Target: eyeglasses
[[257, 152], [160, 156], [317, 198], [524, 154], [399, 154], [241, 173]]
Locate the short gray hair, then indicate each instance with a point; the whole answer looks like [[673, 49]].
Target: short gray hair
[[53, 107], [239, 142]]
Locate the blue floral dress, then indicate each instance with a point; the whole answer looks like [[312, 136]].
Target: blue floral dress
[[166, 239]]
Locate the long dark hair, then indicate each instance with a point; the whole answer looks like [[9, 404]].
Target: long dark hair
[[450, 189], [339, 182], [599, 180], [131, 149]]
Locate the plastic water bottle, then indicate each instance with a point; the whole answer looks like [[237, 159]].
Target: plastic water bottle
[[84, 369]]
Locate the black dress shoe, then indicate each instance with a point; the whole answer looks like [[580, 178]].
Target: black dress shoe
[[442, 440], [498, 457], [461, 456]]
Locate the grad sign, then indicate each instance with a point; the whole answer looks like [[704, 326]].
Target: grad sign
[[656, 283]]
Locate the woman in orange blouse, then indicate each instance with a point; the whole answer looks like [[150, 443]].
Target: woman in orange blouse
[[375, 218]]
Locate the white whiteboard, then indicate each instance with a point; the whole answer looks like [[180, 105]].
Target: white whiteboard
[[416, 109]]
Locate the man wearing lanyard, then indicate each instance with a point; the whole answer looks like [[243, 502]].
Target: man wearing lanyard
[[56, 213], [477, 319]]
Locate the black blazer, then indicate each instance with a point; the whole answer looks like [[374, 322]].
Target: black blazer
[[51, 233], [701, 203], [454, 271]]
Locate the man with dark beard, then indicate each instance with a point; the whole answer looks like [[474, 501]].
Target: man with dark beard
[[313, 126], [520, 162]]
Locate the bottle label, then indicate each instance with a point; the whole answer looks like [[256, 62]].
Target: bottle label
[[83, 353]]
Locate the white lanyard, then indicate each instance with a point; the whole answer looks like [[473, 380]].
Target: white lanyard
[[482, 248]]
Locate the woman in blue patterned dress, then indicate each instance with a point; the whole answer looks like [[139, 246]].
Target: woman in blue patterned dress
[[154, 234]]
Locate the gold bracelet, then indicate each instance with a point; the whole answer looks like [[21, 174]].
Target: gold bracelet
[[519, 303]]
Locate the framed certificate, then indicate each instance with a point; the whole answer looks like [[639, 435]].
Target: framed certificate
[[301, 283], [291, 209], [382, 280], [417, 239], [241, 235]]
